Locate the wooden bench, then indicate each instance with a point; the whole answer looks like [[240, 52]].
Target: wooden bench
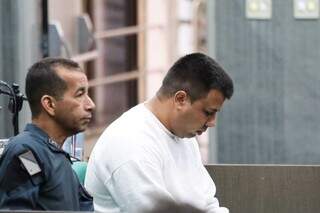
[[267, 188]]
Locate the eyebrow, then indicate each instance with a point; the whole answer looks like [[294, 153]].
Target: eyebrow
[[81, 89], [213, 110]]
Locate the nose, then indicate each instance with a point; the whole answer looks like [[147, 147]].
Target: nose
[[89, 104], [211, 122]]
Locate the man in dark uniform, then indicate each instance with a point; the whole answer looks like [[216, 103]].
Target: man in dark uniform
[[35, 173]]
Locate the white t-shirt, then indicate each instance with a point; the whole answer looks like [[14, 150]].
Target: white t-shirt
[[137, 161]]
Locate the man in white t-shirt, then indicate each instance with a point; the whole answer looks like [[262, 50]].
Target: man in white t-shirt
[[150, 153]]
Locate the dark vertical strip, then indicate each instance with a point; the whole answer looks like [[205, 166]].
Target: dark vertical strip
[[45, 23]]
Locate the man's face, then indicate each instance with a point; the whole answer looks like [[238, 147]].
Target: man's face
[[193, 119], [73, 111]]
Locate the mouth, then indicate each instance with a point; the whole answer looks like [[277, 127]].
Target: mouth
[[199, 132], [87, 119]]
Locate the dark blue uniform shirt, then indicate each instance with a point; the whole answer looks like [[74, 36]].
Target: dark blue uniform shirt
[[55, 187]]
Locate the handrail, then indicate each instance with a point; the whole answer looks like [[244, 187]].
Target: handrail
[[87, 56], [134, 74], [124, 31]]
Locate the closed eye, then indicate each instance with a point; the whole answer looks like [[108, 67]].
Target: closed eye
[[210, 113], [80, 92]]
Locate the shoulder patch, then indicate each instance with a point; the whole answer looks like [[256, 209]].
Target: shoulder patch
[[30, 163]]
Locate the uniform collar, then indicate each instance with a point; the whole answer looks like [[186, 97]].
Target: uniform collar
[[35, 129], [54, 146]]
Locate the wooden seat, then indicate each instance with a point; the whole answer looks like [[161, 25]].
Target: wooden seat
[[267, 188]]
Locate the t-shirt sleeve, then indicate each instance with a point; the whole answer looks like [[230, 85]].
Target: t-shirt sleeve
[[211, 201], [136, 186]]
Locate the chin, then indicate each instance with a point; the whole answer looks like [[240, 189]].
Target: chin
[[186, 135], [191, 135], [78, 130], [81, 129]]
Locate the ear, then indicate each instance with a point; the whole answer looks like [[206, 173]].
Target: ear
[[181, 98], [48, 104]]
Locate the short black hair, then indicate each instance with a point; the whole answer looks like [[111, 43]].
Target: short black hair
[[42, 79], [196, 74]]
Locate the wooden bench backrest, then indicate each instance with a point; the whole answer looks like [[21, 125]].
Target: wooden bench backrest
[[267, 188]]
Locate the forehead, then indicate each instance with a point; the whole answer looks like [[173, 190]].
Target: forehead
[[213, 100], [72, 77]]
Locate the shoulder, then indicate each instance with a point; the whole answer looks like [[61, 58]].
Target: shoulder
[[133, 118], [130, 137], [26, 141], [17, 145], [18, 163], [112, 151], [131, 128], [23, 142], [125, 145]]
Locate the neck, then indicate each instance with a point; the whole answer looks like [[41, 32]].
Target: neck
[[49, 126], [161, 108]]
